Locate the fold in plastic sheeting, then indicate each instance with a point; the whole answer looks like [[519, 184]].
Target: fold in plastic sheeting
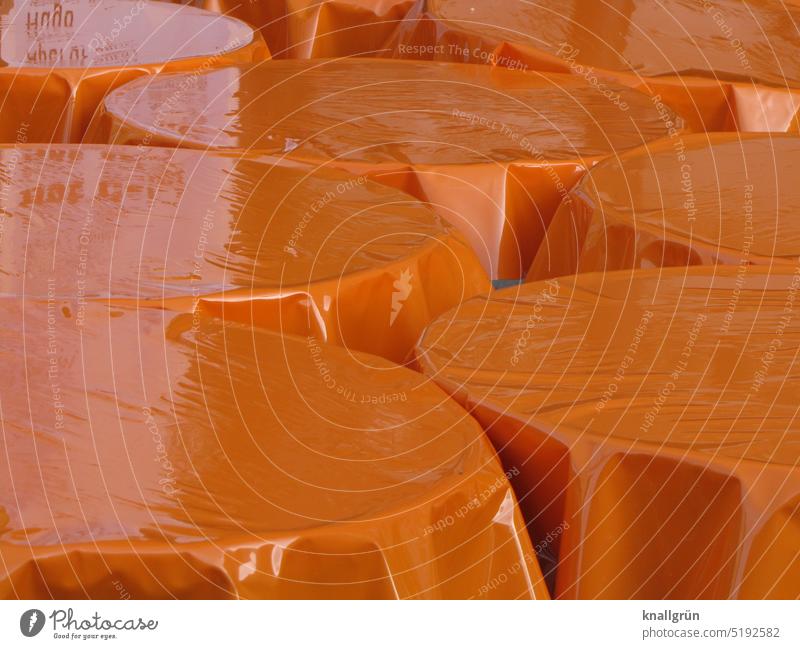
[[706, 60], [59, 59], [493, 150], [651, 420], [306, 29], [165, 455], [295, 249], [715, 199]]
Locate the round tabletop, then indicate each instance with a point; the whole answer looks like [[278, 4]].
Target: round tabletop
[[86, 34], [184, 456], [290, 247], [646, 394], [494, 149], [58, 59], [725, 198], [641, 37], [638, 40]]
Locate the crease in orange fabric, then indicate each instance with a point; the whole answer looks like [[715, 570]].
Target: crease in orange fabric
[[312, 29]]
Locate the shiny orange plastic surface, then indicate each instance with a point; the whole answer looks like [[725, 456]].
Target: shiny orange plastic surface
[[722, 65], [701, 199], [171, 455], [59, 59], [293, 248], [304, 29], [493, 150], [652, 418]]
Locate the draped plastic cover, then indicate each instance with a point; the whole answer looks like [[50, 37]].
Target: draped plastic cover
[[651, 420], [165, 455], [494, 150], [720, 64], [304, 29], [58, 59], [295, 249], [702, 199]]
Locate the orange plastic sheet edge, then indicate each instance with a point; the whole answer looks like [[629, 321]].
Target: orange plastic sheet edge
[[503, 208], [57, 105], [244, 498], [577, 379], [703, 199], [306, 29], [349, 261], [705, 104]]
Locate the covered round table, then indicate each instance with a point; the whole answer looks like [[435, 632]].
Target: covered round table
[[703, 199], [305, 29], [59, 59], [722, 65], [652, 418], [293, 248], [493, 150], [148, 454]]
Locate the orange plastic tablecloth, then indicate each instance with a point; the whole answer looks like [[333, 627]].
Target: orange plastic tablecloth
[[493, 150], [304, 29], [296, 249], [652, 419], [59, 59], [722, 65], [148, 454], [702, 199]]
